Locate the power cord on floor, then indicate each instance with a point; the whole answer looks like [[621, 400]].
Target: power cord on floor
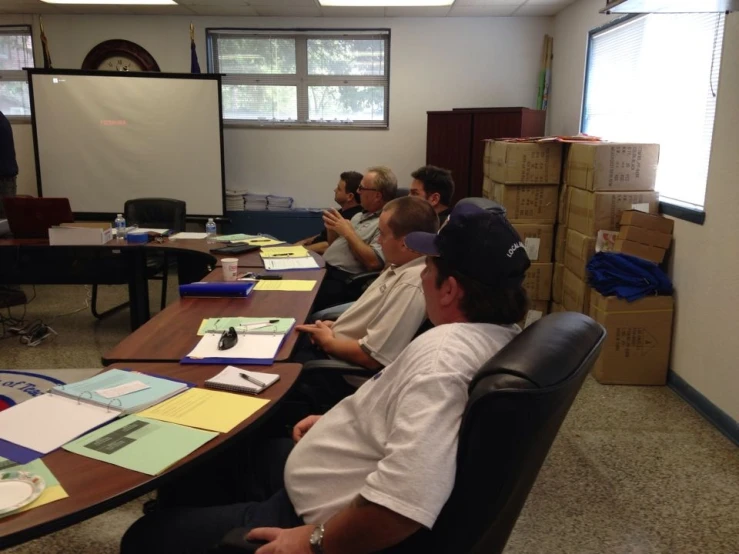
[[88, 300]]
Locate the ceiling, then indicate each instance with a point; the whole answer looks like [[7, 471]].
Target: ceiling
[[297, 8]]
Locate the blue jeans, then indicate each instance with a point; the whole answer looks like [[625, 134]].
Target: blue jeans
[[185, 523]]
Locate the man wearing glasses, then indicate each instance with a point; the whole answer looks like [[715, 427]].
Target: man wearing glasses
[[353, 245]]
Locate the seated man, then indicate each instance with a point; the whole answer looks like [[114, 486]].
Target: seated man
[[378, 326], [379, 466], [346, 196], [353, 245], [436, 186]]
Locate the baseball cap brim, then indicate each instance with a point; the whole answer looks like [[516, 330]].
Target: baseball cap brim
[[423, 243]]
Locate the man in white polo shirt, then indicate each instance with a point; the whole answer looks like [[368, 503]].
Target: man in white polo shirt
[[378, 326], [377, 469]]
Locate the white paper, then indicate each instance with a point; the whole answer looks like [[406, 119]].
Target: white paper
[[259, 346], [230, 376], [147, 230], [531, 317], [531, 244], [642, 207], [46, 422], [120, 390], [282, 264], [185, 235]]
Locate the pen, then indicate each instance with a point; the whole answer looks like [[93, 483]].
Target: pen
[[260, 240], [251, 379], [269, 322], [286, 254]]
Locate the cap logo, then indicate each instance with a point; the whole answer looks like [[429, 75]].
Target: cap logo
[[513, 248]]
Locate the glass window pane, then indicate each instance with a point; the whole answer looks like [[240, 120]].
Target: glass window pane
[[15, 51], [346, 103], [260, 102], [273, 56], [346, 57], [14, 98]]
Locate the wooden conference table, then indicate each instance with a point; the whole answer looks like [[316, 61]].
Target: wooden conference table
[[95, 487], [172, 333]]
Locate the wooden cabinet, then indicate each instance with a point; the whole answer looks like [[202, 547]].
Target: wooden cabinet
[[454, 140]]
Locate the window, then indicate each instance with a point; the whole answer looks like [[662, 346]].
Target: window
[[16, 52], [653, 78], [324, 78]]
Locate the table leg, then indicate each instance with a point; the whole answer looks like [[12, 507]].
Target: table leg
[[138, 286]]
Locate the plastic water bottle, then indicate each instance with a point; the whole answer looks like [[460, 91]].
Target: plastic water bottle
[[120, 227], [210, 229]]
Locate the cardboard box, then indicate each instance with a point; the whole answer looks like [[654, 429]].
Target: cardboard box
[[530, 163], [488, 188], [649, 221], [562, 206], [612, 166], [89, 224], [589, 212], [578, 251], [538, 281], [645, 236], [537, 310], [576, 294], [637, 348], [560, 238], [558, 284], [555, 308], [643, 251], [538, 239], [528, 203], [79, 235]]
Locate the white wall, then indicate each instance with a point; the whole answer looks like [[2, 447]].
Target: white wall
[[436, 64], [705, 268]]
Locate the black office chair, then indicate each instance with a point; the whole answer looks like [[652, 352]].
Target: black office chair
[[154, 213], [484, 203], [517, 403]]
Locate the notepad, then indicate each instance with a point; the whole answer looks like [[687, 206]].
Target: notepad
[[258, 325], [289, 263], [251, 348], [261, 241], [230, 380], [285, 251], [285, 285], [206, 409], [140, 444], [236, 237], [185, 235]]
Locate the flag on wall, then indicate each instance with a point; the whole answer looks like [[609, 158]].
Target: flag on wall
[[194, 65], [45, 46]]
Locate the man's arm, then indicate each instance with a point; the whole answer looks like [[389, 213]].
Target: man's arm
[[350, 351], [306, 241], [362, 527], [318, 248], [363, 252]]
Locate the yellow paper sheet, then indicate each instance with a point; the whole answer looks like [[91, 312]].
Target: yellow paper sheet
[[280, 251], [259, 242], [286, 285], [50, 494], [206, 409]]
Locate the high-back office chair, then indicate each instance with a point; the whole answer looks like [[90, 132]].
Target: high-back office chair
[[517, 403], [153, 213]]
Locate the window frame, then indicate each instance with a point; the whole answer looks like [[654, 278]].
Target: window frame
[[301, 79], [20, 75], [672, 207]]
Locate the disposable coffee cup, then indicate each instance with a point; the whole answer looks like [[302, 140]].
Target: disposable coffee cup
[[230, 268]]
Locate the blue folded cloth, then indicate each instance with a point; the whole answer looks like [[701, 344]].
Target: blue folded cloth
[[627, 277]]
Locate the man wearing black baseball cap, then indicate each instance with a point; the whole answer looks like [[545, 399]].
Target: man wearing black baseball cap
[[377, 468]]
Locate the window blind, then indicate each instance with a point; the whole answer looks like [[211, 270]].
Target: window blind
[[654, 78], [16, 52]]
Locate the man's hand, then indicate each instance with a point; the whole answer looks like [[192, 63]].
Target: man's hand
[[283, 541], [336, 223], [303, 426], [320, 332]]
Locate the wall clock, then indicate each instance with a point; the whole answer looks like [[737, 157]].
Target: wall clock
[[119, 55]]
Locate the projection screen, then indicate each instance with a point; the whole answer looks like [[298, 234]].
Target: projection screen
[[102, 139]]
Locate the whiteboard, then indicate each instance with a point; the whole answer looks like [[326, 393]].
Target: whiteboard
[[102, 139]]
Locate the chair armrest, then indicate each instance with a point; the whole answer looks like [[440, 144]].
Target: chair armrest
[[235, 541], [362, 279], [338, 367], [332, 313]]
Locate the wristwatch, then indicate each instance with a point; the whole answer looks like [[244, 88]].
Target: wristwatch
[[316, 540]]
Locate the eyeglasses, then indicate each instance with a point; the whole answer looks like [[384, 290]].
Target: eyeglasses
[[360, 188]]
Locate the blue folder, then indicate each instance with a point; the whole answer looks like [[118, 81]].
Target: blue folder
[[218, 290]]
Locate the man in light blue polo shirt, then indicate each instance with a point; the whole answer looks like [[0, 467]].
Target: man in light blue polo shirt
[[353, 244]]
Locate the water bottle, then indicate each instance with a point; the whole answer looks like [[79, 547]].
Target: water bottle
[[120, 227], [210, 229]]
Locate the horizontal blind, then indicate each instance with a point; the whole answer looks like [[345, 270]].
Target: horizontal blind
[[654, 78], [316, 77], [16, 53]]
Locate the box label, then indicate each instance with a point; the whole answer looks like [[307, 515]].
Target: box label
[[531, 245]]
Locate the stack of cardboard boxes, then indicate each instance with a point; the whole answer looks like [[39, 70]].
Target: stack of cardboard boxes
[[524, 176], [601, 181]]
